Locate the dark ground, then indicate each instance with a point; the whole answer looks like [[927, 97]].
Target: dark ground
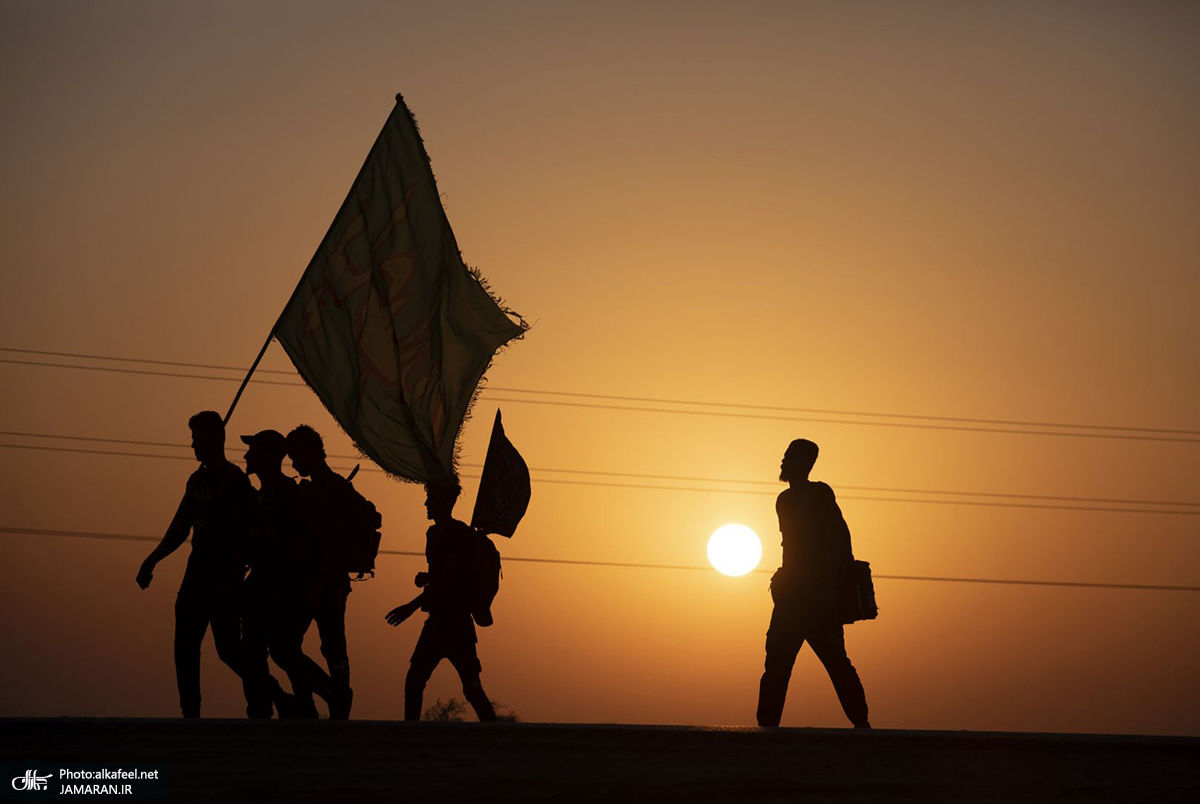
[[231, 761]]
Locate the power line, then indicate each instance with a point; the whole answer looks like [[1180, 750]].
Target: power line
[[117, 359], [885, 489], [697, 489], [1119, 432], [82, 451], [98, 440], [834, 412], [646, 476], [637, 565], [864, 498], [145, 372], [640, 409], [808, 419], [656, 400]]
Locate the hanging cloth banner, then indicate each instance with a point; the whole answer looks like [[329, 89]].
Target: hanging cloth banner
[[390, 328]]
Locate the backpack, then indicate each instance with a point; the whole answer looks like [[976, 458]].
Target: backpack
[[358, 534], [485, 571]]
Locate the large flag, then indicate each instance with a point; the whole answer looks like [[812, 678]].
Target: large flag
[[388, 325], [504, 490]]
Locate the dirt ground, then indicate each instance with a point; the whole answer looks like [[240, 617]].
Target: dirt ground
[[233, 761]]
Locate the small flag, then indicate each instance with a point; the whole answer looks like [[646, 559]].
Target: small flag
[[388, 325], [504, 490]]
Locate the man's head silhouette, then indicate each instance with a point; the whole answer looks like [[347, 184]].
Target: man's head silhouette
[[306, 449], [208, 436], [265, 451], [798, 460], [440, 496]]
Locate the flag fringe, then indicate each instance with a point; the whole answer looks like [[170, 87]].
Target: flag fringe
[[480, 386], [481, 280], [481, 383]]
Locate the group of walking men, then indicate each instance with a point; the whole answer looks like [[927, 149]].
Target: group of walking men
[[291, 538], [284, 533]]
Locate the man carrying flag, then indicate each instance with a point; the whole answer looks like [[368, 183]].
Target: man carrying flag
[[449, 596], [464, 573]]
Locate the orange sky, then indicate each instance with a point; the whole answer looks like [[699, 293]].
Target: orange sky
[[927, 208]]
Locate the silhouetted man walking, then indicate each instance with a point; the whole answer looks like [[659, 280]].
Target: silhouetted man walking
[[217, 507], [806, 589], [450, 597], [320, 498], [275, 611]]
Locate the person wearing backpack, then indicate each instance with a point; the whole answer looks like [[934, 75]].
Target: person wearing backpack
[[457, 587], [806, 590], [320, 506]]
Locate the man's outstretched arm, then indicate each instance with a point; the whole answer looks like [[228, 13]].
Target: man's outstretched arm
[[175, 536], [404, 611]]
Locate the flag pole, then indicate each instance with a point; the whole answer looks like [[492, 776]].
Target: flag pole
[[299, 284], [253, 366]]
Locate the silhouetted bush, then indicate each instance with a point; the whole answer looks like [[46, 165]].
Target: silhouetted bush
[[452, 711]]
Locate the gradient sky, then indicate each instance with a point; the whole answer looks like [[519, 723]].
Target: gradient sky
[[945, 209]]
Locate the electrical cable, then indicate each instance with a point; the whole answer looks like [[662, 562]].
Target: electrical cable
[[637, 565]]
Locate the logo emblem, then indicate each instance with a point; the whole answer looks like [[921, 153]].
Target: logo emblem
[[30, 781]]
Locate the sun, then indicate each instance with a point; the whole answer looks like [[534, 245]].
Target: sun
[[734, 549]]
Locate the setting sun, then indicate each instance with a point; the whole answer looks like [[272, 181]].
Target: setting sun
[[734, 549]]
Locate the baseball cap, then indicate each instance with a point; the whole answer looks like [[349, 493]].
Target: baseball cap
[[270, 441]]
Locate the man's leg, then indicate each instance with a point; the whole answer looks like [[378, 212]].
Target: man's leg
[[464, 656], [783, 643], [191, 621], [830, 648], [473, 692], [287, 650], [263, 692], [425, 658], [225, 618], [331, 625]]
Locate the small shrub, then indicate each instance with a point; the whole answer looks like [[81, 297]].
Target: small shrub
[[450, 711]]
